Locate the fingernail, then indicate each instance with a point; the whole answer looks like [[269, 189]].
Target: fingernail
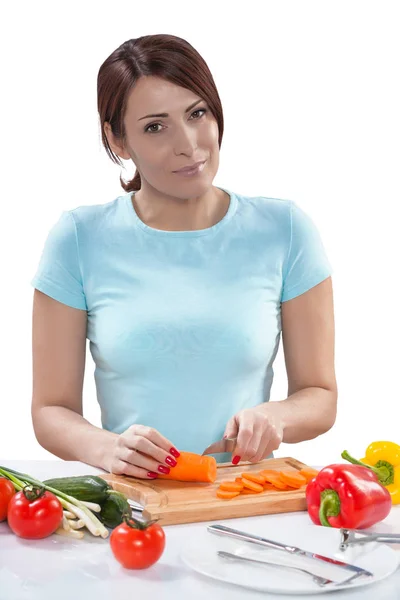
[[235, 460], [163, 469], [225, 436], [170, 461], [151, 474], [175, 452]]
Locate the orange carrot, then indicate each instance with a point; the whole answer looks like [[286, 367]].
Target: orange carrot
[[276, 481], [308, 473], [251, 485], [256, 477], [266, 472], [226, 495], [248, 491], [292, 478], [192, 467], [239, 480], [231, 486], [268, 487]]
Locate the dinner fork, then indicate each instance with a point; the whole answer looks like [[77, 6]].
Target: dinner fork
[[321, 581]]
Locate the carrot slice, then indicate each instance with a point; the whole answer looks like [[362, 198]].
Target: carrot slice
[[248, 491], [269, 487], [277, 482], [231, 486], [226, 495], [292, 478], [254, 477], [308, 473], [192, 467], [266, 472], [252, 485]]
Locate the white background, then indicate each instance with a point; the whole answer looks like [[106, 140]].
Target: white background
[[310, 92]]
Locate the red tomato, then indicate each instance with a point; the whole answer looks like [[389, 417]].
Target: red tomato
[[137, 545], [7, 491], [34, 514]]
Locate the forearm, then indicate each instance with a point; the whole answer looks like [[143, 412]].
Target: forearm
[[305, 414], [69, 436]]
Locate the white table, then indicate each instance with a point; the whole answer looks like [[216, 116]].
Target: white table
[[34, 570]]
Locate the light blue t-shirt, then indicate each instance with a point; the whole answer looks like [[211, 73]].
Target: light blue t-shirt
[[184, 326]]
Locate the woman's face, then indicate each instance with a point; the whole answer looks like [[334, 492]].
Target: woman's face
[[160, 145]]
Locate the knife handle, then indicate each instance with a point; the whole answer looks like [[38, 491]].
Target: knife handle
[[249, 537]]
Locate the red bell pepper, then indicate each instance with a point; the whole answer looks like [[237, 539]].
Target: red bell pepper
[[348, 496]]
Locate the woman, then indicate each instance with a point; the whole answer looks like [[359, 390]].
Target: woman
[[182, 289]]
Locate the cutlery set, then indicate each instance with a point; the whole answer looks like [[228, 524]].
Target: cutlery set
[[347, 537]]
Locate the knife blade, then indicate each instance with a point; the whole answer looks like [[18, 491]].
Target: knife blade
[[294, 550], [224, 445]]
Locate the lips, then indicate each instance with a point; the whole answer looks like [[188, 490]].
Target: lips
[[190, 167]]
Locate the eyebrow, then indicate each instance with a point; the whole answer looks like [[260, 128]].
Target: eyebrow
[[167, 115]]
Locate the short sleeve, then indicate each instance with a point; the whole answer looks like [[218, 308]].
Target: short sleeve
[[306, 264], [59, 274]]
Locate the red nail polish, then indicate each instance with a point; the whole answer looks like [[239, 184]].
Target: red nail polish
[[163, 469], [151, 474], [170, 461], [235, 460], [175, 452]]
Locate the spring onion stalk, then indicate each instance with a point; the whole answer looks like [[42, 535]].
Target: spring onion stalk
[[70, 503], [78, 535], [91, 505]]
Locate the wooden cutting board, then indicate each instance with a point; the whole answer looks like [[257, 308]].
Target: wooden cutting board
[[174, 502]]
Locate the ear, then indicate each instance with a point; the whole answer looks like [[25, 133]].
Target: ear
[[115, 147]]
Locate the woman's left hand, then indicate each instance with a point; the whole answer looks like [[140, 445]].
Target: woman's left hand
[[258, 433]]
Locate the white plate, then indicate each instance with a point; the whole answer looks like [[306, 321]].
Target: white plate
[[201, 556]]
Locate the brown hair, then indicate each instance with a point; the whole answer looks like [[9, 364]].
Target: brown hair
[[166, 56]]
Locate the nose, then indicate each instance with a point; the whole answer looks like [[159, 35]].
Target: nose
[[185, 141]]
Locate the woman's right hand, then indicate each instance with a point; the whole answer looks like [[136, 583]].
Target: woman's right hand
[[142, 452]]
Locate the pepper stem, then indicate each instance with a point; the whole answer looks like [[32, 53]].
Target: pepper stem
[[329, 506], [383, 469]]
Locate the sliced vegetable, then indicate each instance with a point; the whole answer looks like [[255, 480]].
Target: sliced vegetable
[[256, 477], [226, 495], [137, 545], [251, 485], [308, 473], [231, 486], [193, 467], [292, 478]]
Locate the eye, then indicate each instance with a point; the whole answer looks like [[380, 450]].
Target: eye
[[203, 110]]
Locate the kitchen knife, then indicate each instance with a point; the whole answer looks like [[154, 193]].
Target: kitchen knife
[[224, 445], [294, 550]]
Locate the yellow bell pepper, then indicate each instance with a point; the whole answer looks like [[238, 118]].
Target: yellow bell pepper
[[384, 459]]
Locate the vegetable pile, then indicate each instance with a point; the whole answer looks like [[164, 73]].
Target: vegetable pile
[[266, 480], [35, 509]]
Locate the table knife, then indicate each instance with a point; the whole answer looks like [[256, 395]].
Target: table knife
[[294, 550]]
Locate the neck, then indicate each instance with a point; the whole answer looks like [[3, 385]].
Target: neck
[[176, 214]]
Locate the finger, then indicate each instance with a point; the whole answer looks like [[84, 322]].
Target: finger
[[121, 467], [155, 436], [272, 441], [143, 453], [255, 443], [231, 429], [245, 433]]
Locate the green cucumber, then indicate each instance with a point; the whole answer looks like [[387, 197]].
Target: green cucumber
[[86, 488], [113, 509]]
